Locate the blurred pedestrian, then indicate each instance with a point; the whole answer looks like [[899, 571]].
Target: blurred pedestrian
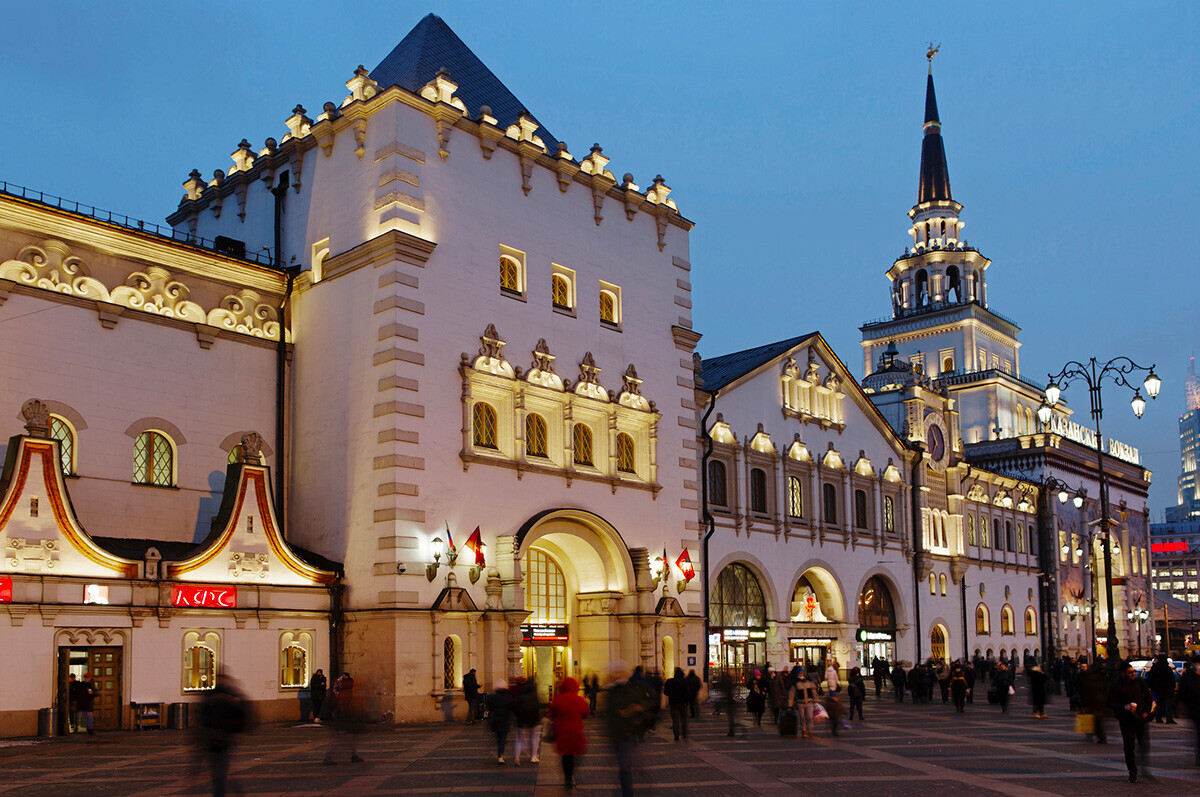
[[776, 687], [898, 680], [567, 712], [528, 713], [725, 700], [856, 691], [591, 688], [1189, 696], [501, 706], [694, 684], [678, 698], [756, 698], [831, 676], [943, 679], [879, 674], [1130, 699], [624, 717], [85, 700], [802, 699], [1002, 682], [1037, 691], [317, 687], [223, 714], [958, 686], [345, 714], [1161, 680], [1091, 689]]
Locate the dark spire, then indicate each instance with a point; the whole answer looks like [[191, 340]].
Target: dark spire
[[935, 176]]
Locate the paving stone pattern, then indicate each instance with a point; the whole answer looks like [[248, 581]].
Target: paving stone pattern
[[898, 750]]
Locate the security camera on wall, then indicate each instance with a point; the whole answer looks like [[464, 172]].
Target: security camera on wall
[[400, 568]]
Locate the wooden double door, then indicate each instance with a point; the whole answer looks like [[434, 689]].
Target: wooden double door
[[102, 666]]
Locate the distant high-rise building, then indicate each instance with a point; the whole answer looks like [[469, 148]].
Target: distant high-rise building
[[1189, 446]]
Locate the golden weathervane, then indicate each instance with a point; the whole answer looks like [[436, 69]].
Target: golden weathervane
[[933, 50]]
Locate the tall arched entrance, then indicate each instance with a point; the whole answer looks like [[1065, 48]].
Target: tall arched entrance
[[737, 617], [937, 643], [816, 614], [576, 574], [876, 621]]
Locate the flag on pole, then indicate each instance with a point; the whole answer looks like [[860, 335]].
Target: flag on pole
[[475, 543], [684, 563], [449, 539]]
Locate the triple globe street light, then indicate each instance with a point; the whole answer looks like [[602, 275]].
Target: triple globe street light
[[1094, 374]]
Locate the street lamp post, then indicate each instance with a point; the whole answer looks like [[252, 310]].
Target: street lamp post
[[1138, 616], [1094, 374]]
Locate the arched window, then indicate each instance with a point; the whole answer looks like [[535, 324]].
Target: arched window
[[984, 542], [717, 494], [582, 438], [560, 291], [737, 601], [153, 459], [829, 502], [608, 308], [62, 431], [947, 364], [937, 643], [795, 497], [1008, 536], [510, 275], [1033, 543], [942, 583], [1020, 538], [996, 538], [932, 584], [758, 490], [483, 425], [235, 455], [875, 607], [860, 509], [545, 589], [535, 435], [1030, 622], [451, 663], [806, 604], [970, 529], [983, 621], [889, 514], [1007, 621], [293, 666], [625, 460], [922, 292], [199, 660]]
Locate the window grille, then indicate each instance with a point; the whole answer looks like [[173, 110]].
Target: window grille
[[152, 459], [510, 275], [294, 668], [61, 431], [608, 307], [535, 435], [795, 497], [625, 460], [560, 292], [449, 656], [484, 425], [737, 601], [545, 589], [583, 444], [889, 514], [717, 493]]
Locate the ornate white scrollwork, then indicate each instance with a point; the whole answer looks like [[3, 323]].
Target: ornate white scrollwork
[[51, 266], [154, 291], [245, 312]]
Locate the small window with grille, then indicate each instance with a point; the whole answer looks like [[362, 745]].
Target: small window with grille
[[625, 452], [483, 425], [582, 439], [154, 459], [535, 435]]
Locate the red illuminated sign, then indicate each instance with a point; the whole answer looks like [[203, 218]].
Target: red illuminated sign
[[1168, 547], [208, 597], [5, 589]]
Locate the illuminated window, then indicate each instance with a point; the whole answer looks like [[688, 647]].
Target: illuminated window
[[545, 589], [582, 438], [829, 501], [1007, 621], [625, 461], [984, 542], [610, 304], [153, 459], [737, 601], [942, 583], [1062, 546], [535, 435], [932, 584], [1075, 549], [983, 620], [451, 662], [1030, 622], [717, 494], [758, 490], [199, 661], [510, 274], [295, 651], [483, 425], [875, 606], [62, 431], [795, 497], [860, 509], [889, 514], [970, 529], [1020, 538], [235, 455]]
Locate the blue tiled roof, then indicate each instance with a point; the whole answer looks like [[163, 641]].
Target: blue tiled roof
[[430, 46], [718, 372]]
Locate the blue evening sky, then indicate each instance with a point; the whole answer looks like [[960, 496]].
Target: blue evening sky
[[790, 133]]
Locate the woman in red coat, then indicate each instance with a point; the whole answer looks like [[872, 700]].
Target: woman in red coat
[[567, 712]]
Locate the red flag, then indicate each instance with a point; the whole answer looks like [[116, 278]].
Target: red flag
[[475, 543], [684, 563]]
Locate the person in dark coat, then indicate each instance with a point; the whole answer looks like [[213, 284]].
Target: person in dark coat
[[969, 676], [528, 714], [347, 715], [1189, 696], [501, 706], [678, 699], [756, 698], [856, 691], [1161, 680], [776, 689], [1002, 680], [223, 715], [898, 682], [1130, 700], [879, 673], [1037, 691], [591, 690], [623, 711], [85, 700], [1091, 691], [914, 684], [726, 702], [958, 687], [694, 684], [470, 695], [943, 676], [567, 712], [317, 687]]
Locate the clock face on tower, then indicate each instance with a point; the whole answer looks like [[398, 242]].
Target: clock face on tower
[[936, 436]]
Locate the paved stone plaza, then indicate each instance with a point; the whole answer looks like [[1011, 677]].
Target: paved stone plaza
[[899, 750]]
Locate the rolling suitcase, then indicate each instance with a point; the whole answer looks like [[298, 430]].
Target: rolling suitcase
[[787, 723]]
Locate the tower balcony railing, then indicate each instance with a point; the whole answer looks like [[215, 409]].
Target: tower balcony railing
[[937, 307], [128, 222], [954, 378]]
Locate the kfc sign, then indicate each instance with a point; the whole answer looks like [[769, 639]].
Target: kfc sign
[[5, 589], [1168, 547], [209, 597]]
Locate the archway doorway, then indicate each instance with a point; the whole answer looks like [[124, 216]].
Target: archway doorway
[[937, 643], [877, 620], [816, 613], [667, 664], [737, 624]]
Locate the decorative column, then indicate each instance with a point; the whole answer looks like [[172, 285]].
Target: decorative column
[[512, 599], [645, 611]]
